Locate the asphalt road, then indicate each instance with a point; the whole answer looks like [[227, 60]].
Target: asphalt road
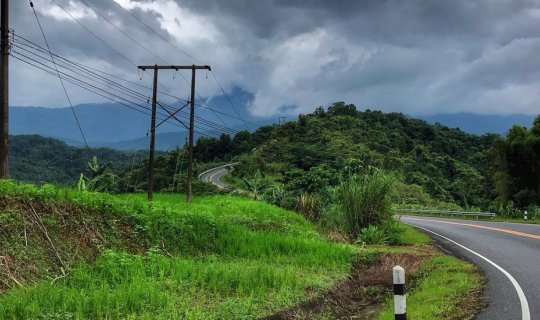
[[214, 175], [508, 253]]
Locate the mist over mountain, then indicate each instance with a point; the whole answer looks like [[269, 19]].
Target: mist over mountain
[[481, 124]]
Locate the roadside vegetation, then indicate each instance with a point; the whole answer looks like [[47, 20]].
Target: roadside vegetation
[[108, 257], [69, 254]]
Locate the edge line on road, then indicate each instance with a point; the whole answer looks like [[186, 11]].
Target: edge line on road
[[509, 231], [525, 312]]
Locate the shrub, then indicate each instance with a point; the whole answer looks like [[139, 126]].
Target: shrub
[[365, 200], [393, 230], [372, 235]]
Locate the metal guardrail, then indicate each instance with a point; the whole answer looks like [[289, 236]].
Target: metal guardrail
[[455, 213], [223, 166]]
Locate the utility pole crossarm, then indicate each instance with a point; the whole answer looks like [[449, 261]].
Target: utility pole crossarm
[[205, 67]]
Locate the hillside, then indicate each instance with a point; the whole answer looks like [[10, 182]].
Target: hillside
[[310, 154], [46, 160]]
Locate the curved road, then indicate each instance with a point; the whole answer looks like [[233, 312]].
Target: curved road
[[214, 175], [508, 253]]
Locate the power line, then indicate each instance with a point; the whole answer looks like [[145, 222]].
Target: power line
[[98, 73], [185, 53], [92, 33], [60, 78], [105, 94], [121, 31], [228, 99], [120, 88], [157, 33], [125, 34]]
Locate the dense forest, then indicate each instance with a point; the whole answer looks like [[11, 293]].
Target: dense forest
[[432, 163], [37, 159]]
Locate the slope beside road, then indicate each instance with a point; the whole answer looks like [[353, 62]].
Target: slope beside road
[[508, 253]]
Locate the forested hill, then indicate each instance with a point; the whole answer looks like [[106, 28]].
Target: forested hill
[[38, 159], [307, 154]]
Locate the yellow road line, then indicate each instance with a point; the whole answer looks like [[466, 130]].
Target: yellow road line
[[518, 233]]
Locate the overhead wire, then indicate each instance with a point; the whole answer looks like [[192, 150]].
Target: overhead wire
[[117, 28], [89, 87], [59, 77], [132, 92], [99, 73], [186, 54]]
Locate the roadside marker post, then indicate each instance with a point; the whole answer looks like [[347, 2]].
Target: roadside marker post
[[525, 216], [400, 304]]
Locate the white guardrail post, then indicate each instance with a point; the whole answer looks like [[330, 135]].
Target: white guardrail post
[[400, 304]]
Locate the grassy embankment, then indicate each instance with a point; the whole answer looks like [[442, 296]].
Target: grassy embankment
[[71, 255], [223, 257]]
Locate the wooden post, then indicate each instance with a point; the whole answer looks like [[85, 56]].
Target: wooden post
[[150, 191], [190, 141], [4, 89]]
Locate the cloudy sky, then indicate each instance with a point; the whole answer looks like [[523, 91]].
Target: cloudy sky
[[418, 57]]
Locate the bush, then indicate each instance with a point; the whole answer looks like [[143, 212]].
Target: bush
[[393, 230], [365, 200], [372, 235]]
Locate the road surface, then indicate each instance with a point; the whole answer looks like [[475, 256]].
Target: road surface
[[214, 175], [508, 253]]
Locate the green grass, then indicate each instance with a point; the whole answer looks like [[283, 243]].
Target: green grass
[[222, 257], [439, 289], [411, 235]]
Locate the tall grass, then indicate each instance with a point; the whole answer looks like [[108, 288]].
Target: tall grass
[[365, 200]]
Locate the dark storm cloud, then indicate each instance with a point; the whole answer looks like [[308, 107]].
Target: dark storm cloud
[[413, 56]]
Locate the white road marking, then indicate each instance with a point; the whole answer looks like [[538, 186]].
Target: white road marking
[[525, 313], [211, 178]]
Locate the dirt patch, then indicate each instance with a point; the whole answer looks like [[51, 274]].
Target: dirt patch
[[360, 295]]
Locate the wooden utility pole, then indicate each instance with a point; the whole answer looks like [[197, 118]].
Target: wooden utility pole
[[193, 69], [4, 88], [150, 190]]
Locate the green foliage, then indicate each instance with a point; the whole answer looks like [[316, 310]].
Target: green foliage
[[46, 160], [221, 257], [518, 166], [99, 179], [365, 200], [372, 235], [313, 153], [394, 231], [255, 185]]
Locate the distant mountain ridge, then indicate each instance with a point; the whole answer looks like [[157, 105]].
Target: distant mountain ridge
[[108, 125], [481, 124], [115, 126]]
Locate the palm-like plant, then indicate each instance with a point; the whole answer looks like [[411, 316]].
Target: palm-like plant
[[99, 179]]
